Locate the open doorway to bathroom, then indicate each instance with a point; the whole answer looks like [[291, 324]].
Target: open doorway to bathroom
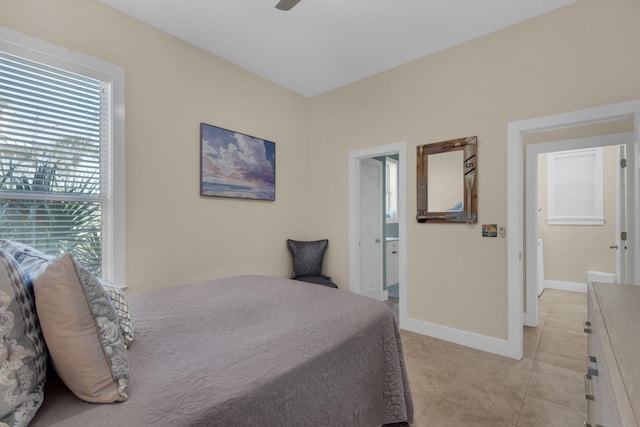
[[388, 224]]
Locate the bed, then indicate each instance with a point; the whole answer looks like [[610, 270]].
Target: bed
[[251, 351]]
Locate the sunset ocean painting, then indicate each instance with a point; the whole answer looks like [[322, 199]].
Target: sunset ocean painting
[[236, 165]]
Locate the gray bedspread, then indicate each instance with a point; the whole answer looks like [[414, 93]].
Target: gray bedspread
[[252, 351]]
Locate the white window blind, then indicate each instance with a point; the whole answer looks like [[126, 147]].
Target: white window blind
[[575, 187], [54, 159]]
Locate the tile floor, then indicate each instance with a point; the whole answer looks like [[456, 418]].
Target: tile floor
[[456, 386]]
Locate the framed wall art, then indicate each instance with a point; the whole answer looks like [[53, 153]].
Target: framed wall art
[[236, 165]]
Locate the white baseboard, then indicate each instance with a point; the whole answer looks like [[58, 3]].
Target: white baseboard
[[465, 338], [565, 286]]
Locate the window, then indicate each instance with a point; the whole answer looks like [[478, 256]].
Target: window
[[575, 187], [391, 199], [61, 145]]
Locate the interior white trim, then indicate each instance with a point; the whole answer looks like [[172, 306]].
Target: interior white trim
[[355, 156], [457, 336], [515, 132], [565, 286]]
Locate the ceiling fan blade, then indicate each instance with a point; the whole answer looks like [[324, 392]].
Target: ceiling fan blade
[[286, 4]]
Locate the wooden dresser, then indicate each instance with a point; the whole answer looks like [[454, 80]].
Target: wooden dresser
[[612, 381]]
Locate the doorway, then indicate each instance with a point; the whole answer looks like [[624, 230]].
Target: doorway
[[360, 281], [593, 235], [515, 204]]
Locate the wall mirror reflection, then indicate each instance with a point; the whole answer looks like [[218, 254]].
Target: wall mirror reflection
[[447, 181]]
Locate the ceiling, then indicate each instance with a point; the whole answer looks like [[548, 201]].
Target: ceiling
[[320, 45]]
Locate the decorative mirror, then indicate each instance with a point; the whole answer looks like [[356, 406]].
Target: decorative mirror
[[448, 181]]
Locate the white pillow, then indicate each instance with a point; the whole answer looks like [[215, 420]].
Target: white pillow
[[80, 327]]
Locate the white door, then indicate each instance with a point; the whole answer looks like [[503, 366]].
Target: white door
[[621, 223], [370, 229]]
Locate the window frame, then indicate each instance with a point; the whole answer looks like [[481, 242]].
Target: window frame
[[389, 194], [112, 76]]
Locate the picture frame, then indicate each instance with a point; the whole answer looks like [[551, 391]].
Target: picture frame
[[447, 181], [236, 165], [489, 230]]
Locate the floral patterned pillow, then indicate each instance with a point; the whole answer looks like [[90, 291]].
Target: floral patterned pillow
[[123, 310], [31, 260], [23, 356]]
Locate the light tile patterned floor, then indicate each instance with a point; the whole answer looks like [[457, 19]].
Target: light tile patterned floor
[[456, 386]]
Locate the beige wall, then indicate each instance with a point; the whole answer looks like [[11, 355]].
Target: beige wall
[[174, 235], [580, 56], [572, 250]]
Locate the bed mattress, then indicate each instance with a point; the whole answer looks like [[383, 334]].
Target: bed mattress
[[252, 351]]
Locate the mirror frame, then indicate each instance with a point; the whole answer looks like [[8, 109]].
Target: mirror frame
[[469, 146]]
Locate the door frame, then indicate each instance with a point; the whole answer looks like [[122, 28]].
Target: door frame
[[623, 211], [531, 194], [355, 156], [515, 236]]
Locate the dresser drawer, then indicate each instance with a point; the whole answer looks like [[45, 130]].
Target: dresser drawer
[[612, 380], [598, 390]]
